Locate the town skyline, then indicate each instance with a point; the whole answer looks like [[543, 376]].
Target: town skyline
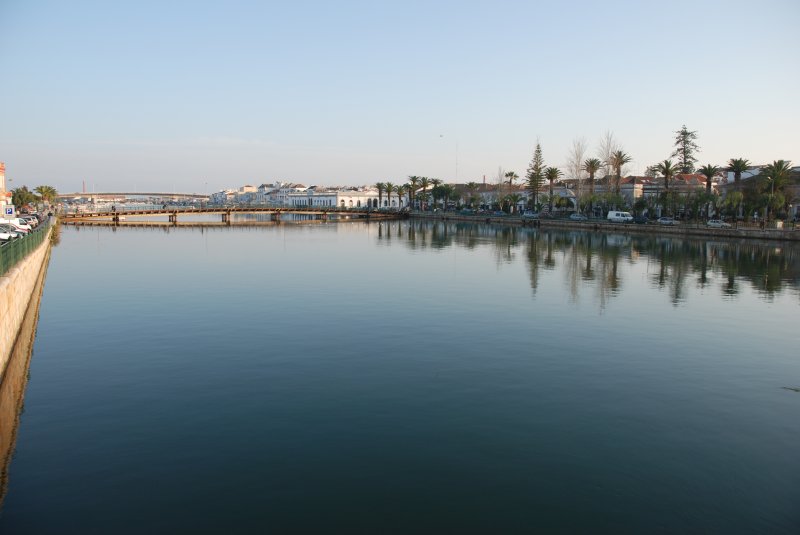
[[158, 98]]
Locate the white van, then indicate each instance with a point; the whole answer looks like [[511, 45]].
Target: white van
[[620, 217]]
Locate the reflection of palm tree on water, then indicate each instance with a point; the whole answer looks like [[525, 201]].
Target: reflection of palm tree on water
[[534, 257], [588, 272], [549, 261], [596, 257]]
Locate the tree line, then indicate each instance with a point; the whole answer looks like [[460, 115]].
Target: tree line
[[22, 196], [767, 192]]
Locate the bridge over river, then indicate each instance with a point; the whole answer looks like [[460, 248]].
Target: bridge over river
[[121, 195], [172, 213]]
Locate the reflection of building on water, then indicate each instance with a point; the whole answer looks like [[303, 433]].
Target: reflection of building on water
[[14, 381]]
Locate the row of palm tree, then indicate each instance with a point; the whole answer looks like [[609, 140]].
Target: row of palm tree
[[390, 188], [769, 190], [411, 187], [737, 166], [22, 196], [773, 176], [414, 183]]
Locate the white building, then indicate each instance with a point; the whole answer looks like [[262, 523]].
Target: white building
[[222, 197], [345, 198], [298, 195], [266, 193], [280, 193]]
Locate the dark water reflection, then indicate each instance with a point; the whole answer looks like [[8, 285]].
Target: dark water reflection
[[408, 377], [13, 382], [768, 268]]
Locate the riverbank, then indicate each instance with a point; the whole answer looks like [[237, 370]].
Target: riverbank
[[14, 378], [17, 290], [600, 225]]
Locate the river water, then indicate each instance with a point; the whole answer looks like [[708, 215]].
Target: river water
[[410, 377]]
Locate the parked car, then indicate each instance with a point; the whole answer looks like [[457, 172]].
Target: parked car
[[530, 214], [578, 217], [670, 221], [10, 229], [619, 217], [7, 236], [640, 220], [30, 220], [17, 224], [717, 223]]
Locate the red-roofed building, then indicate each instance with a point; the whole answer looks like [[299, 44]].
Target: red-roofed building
[[683, 184]]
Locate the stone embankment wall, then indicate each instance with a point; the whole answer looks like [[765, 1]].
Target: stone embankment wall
[[788, 234], [17, 288], [15, 378]]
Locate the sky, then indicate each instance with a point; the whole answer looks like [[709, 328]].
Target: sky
[[195, 96]]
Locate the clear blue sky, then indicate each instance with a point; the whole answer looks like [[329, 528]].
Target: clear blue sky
[[177, 95]]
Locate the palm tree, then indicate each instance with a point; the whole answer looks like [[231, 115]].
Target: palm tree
[[618, 159], [668, 169], [592, 166], [472, 187], [511, 176], [734, 201], [435, 182], [552, 174], [46, 193], [424, 182], [513, 200], [709, 171], [400, 191], [22, 196], [447, 191], [389, 191], [381, 188], [413, 180], [777, 174], [737, 166]]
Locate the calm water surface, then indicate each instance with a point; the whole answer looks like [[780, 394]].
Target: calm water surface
[[410, 377]]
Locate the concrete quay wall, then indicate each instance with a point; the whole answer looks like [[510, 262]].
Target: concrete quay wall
[[604, 226], [17, 290], [14, 381]]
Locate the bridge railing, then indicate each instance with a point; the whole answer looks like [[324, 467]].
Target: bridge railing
[[14, 251]]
